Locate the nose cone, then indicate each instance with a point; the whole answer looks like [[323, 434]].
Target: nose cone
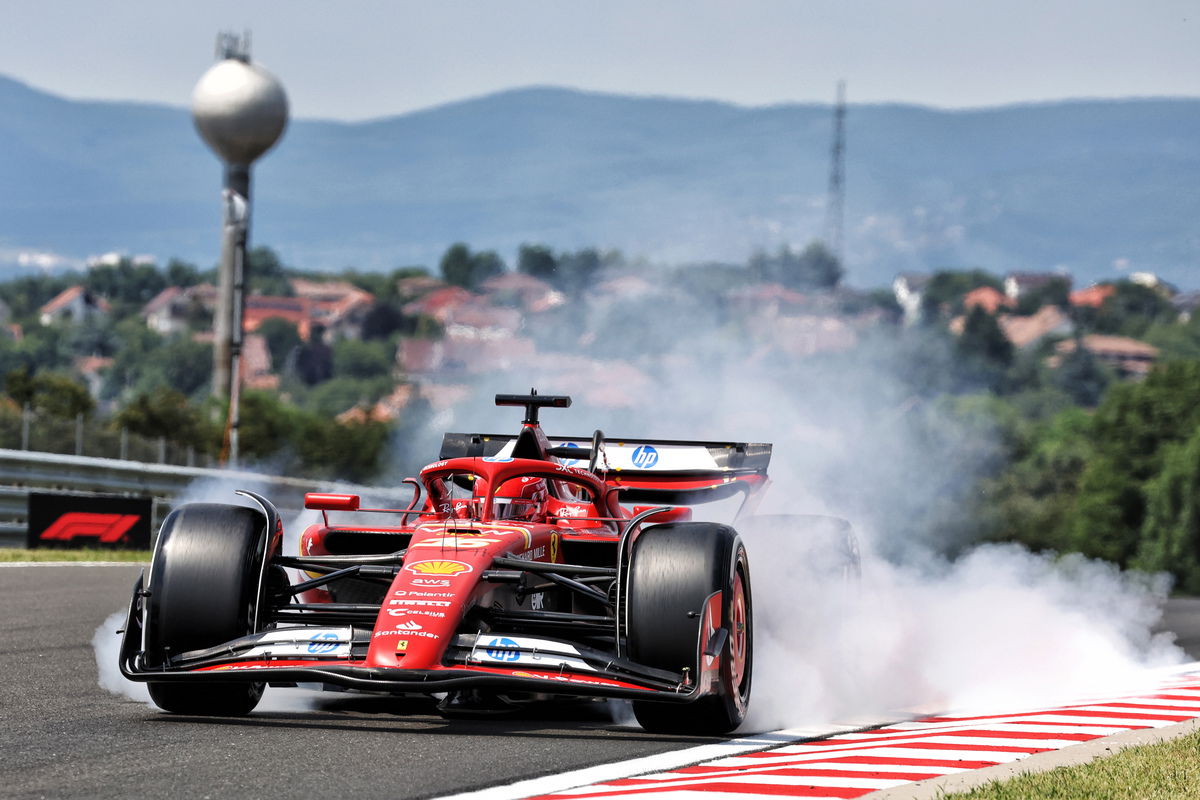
[[240, 110]]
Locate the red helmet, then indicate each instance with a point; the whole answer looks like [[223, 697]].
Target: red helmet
[[520, 498]]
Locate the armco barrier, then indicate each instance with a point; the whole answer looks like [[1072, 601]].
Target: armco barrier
[[23, 471]]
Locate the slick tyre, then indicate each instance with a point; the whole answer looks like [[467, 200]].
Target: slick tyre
[[203, 591], [673, 570]]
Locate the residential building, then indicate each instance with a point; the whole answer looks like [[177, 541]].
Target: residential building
[[73, 305]]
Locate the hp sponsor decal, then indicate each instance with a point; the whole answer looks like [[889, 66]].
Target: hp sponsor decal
[[496, 460], [323, 643], [504, 649], [645, 457]]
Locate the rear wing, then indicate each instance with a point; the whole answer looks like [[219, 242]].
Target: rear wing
[[649, 470]]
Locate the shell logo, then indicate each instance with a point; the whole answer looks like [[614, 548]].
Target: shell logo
[[439, 568]]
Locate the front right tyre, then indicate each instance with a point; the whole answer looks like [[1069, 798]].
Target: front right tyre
[[673, 570], [202, 591]]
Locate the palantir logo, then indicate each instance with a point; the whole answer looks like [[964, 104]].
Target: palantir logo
[[323, 642], [645, 457], [504, 649]]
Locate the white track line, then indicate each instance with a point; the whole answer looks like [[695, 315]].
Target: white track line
[[549, 784]]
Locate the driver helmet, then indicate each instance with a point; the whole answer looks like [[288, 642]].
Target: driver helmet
[[519, 499]]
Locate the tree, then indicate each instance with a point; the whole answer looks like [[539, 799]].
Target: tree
[[814, 269], [125, 283], [1056, 292], [282, 338], [1170, 538], [166, 413], [946, 289], [182, 273], [984, 350], [463, 268], [537, 261], [1130, 310], [48, 392], [1081, 375], [266, 274], [355, 359]]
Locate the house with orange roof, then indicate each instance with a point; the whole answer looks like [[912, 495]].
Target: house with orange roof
[[1129, 357], [1092, 296], [73, 305], [989, 299]]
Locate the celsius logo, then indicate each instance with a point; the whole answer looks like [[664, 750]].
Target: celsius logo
[[503, 650], [323, 642], [645, 457]]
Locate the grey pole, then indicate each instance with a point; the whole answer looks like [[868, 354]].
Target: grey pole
[[240, 110]]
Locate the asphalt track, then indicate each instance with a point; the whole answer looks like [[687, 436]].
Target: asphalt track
[[63, 736]]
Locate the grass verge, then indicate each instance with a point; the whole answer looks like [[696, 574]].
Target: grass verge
[[1165, 771], [10, 554]]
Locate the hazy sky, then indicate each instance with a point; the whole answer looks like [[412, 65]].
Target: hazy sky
[[355, 59]]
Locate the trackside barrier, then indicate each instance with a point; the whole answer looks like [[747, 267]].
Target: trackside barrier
[[23, 471]]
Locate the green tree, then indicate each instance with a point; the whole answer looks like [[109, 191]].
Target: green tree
[[266, 274], [537, 261], [368, 359], [127, 285], [182, 273], [1081, 375], [1056, 292], [282, 338], [48, 392], [814, 268], [1129, 311], [167, 413], [463, 268], [1170, 538], [944, 292]]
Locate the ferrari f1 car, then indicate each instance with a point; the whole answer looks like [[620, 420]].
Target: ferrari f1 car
[[521, 568]]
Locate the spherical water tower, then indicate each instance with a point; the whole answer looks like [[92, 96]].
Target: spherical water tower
[[240, 110]]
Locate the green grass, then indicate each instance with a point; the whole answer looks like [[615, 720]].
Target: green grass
[[46, 554], [1165, 771]]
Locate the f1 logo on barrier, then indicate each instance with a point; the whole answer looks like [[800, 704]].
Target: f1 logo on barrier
[[104, 528], [66, 520]]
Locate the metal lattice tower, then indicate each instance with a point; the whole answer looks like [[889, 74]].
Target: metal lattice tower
[[836, 201]]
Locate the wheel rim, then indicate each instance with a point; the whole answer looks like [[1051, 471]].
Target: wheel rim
[[739, 632]]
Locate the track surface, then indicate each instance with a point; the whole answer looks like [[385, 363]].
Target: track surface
[[63, 736]]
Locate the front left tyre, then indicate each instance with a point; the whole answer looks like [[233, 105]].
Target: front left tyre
[[202, 591]]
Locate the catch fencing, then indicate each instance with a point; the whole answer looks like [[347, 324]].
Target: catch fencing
[[23, 471]]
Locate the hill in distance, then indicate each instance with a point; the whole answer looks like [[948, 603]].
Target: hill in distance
[[1098, 188]]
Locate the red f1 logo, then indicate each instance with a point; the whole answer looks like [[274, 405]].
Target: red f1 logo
[[107, 528]]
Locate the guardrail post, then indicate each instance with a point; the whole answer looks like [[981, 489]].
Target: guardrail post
[[79, 434], [124, 444], [25, 427], [162, 449]]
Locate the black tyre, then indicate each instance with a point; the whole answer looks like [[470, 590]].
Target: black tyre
[[673, 570], [203, 591], [806, 544]]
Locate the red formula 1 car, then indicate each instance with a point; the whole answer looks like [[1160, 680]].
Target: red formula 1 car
[[513, 574]]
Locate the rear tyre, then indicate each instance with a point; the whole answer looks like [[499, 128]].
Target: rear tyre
[[203, 591], [673, 570]]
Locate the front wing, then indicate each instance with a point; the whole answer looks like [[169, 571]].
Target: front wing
[[328, 655]]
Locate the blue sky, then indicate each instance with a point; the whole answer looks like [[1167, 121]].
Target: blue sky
[[355, 59]]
